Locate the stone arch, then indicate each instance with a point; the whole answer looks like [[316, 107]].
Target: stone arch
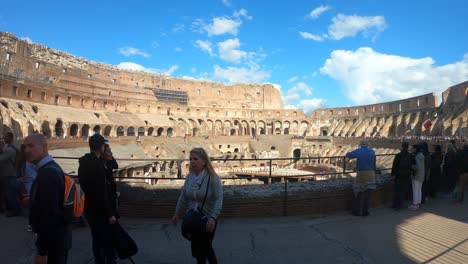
[[261, 127], [324, 132], [16, 127], [160, 131], [31, 128], [303, 128], [45, 129], [195, 132], [277, 127], [141, 131], [59, 128], [232, 132], [286, 131], [130, 131], [97, 129], [120, 131], [85, 131], [218, 127], [294, 127], [74, 130], [150, 131], [107, 131], [170, 132], [245, 127], [227, 127], [183, 125]]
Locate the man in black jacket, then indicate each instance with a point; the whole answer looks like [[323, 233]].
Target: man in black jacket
[[402, 171], [98, 203], [47, 217]]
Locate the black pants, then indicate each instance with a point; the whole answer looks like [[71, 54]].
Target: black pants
[[202, 248], [55, 249], [401, 190], [359, 206], [101, 233]]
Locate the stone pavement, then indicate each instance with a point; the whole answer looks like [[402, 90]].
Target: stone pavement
[[438, 233]]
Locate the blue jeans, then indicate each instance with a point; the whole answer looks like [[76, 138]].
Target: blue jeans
[[360, 207], [103, 250]]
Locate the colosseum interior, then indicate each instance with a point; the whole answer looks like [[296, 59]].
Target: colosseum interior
[[152, 122]]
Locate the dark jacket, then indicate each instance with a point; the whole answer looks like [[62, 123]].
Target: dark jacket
[[110, 166], [402, 163], [46, 210], [92, 176], [464, 160]]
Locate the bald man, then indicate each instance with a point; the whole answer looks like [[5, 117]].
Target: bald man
[[47, 212]]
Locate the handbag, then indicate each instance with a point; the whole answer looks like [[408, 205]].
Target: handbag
[[123, 243], [194, 222]]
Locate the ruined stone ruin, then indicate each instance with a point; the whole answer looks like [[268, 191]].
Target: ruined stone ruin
[[147, 116]]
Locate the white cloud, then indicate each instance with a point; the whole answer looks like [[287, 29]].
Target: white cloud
[[155, 44], [298, 97], [348, 26], [314, 14], [137, 67], [277, 86], [226, 3], [370, 77], [28, 40], [252, 74], [178, 27], [292, 79], [242, 13], [171, 70], [223, 25], [301, 87], [308, 35], [309, 105], [193, 69], [178, 49], [205, 46], [229, 51], [130, 51]]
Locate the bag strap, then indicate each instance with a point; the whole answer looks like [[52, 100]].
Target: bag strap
[[206, 193]]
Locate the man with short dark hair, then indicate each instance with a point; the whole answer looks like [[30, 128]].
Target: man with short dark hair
[[47, 216], [8, 180], [98, 207], [364, 182]]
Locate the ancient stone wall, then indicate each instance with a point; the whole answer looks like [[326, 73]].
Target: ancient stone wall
[[60, 95]]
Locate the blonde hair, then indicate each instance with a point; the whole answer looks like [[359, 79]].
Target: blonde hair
[[204, 156]]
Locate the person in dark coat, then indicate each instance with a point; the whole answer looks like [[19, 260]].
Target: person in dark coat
[[99, 210], [463, 174], [436, 171], [47, 215], [110, 164], [401, 171]]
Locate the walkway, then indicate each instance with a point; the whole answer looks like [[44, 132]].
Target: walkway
[[436, 234]]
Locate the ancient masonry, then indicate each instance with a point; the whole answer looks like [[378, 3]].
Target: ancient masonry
[[60, 95]]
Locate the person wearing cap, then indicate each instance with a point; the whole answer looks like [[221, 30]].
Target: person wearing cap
[[98, 209], [364, 182]]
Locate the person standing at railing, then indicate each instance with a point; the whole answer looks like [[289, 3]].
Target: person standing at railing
[[98, 203], [201, 193], [364, 182], [401, 171]]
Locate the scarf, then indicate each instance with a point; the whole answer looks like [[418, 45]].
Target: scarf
[[194, 185]]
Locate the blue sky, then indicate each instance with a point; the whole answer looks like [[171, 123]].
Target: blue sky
[[318, 53]]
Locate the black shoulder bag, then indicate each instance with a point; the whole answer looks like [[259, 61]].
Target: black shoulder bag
[[194, 222]]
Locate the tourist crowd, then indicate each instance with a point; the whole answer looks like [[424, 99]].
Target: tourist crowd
[[28, 174]]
